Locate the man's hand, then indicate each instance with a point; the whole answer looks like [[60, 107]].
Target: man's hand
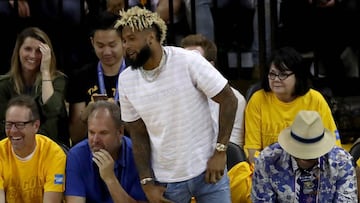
[[23, 8], [215, 167], [105, 162], [155, 193]]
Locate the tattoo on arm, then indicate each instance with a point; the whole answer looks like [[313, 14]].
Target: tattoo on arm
[[141, 147]]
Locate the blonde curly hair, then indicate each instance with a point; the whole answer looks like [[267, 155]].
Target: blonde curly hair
[[139, 19]]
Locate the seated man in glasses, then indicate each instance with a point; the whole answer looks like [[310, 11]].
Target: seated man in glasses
[[32, 166], [285, 91]]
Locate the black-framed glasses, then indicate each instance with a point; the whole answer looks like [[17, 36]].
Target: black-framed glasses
[[281, 75], [18, 125]]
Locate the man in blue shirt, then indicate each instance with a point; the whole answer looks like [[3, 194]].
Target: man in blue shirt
[[102, 168], [304, 166]]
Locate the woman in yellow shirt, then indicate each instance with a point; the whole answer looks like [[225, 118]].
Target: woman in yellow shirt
[[285, 91]]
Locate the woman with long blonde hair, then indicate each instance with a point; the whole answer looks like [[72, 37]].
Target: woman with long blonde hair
[[33, 72]]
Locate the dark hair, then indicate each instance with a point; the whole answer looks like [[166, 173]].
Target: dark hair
[[15, 71], [113, 109], [288, 59], [105, 21], [25, 101]]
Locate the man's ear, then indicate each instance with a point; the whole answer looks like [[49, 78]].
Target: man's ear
[[36, 125], [121, 130], [213, 63], [92, 41]]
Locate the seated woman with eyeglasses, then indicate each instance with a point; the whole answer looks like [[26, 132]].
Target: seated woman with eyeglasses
[[285, 90]]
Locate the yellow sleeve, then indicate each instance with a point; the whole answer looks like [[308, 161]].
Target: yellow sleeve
[[1, 176], [253, 123], [327, 118], [55, 175]]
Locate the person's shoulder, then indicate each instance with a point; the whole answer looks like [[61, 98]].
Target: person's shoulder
[[60, 76], [85, 70], [260, 95], [173, 51], [238, 95], [314, 92], [4, 144], [5, 79], [314, 95], [49, 146], [339, 154], [272, 152], [80, 147], [127, 142]]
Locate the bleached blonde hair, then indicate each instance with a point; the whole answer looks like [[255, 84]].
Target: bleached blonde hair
[[139, 19]]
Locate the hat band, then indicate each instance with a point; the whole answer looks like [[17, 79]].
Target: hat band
[[300, 139]]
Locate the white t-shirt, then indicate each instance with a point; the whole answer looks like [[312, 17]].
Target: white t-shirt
[[175, 110], [237, 133]]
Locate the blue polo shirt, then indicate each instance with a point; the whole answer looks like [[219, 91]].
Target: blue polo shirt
[[83, 178]]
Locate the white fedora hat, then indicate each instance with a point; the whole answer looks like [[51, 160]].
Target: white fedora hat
[[306, 138]]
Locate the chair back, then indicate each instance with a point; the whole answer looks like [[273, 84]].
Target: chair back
[[235, 154], [355, 150]]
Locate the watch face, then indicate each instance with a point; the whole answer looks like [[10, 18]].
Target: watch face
[[220, 147]]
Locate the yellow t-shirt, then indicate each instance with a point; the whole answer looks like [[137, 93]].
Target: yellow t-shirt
[[26, 181], [266, 116]]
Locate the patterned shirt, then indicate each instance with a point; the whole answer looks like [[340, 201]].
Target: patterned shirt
[[275, 177]]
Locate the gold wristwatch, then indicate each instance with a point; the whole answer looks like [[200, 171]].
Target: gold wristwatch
[[220, 147], [144, 181]]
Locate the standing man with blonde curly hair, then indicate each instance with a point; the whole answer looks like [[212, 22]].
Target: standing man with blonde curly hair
[[164, 102]]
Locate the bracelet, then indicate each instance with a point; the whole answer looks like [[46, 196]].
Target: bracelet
[[46, 80], [144, 181]]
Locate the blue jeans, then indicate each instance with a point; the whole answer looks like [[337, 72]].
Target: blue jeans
[[181, 192]]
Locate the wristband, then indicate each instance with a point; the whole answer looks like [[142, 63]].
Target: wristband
[[46, 80]]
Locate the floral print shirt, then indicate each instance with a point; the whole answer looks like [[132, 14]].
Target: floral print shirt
[[276, 173]]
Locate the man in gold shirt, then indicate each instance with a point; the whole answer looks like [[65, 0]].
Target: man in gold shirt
[[32, 166]]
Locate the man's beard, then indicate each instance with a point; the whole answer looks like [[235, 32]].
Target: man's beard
[[141, 58]]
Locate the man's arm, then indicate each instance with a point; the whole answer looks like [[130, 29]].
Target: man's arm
[[347, 180], [252, 153], [227, 110], [74, 199], [53, 197], [77, 126], [142, 155], [261, 190]]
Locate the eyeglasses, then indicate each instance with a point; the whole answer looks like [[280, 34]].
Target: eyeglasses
[[281, 75], [18, 125]]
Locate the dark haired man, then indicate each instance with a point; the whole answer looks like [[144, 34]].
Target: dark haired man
[[98, 78]]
